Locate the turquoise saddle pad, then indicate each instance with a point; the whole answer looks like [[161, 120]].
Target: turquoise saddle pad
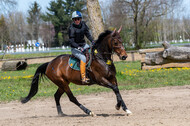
[[74, 63]]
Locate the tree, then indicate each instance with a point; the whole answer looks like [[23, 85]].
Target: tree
[[186, 26], [17, 27], [117, 15], [60, 38], [141, 13], [95, 16], [59, 13], [33, 20], [4, 35], [47, 33], [5, 5]]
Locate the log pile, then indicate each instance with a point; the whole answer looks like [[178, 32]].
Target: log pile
[[169, 56]]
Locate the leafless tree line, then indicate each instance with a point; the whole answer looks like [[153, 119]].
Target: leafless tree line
[[147, 20], [14, 28], [17, 31], [143, 21]]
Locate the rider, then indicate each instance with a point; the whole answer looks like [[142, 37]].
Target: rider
[[77, 30]]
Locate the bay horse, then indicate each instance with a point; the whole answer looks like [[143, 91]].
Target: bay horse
[[101, 72]]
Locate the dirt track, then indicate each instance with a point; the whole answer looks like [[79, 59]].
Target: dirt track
[[168, 106]]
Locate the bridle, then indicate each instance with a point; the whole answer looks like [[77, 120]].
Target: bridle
[[113, 47], [99, 55]]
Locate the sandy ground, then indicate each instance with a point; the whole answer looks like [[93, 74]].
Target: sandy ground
[[167, 106]]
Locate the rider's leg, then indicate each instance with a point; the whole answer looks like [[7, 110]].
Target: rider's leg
[[83, 67], [82, 58], [83, 72]]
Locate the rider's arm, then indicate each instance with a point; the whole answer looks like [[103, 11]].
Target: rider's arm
[[72, 38], [87, 33]]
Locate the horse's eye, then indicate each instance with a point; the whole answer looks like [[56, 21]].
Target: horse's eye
[[115, 43]]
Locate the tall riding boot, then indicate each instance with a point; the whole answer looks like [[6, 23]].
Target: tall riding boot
[[83, 72]]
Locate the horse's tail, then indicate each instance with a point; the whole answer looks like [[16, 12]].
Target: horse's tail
[[35, 82]]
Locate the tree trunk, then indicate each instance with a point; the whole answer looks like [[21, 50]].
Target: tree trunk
[[96, 20], [136, 28], [170, 54]]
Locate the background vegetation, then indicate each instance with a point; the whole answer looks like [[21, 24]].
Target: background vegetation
[[143, 21]]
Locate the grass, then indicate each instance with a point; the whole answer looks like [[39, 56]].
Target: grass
[[16, 84], [20, 56], [132, 77]]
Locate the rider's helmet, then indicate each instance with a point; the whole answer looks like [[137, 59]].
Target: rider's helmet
[[76, 14]]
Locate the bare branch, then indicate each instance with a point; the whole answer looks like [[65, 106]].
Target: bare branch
[[7, 5]]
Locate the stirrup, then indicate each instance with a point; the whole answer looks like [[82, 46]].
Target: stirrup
[[85, 80]]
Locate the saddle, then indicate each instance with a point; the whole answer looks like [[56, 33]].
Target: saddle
[[74, 62]]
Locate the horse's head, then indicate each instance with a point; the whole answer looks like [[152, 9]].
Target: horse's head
[[117, 45]]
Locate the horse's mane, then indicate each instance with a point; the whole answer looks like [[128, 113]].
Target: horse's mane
[[101, 37]]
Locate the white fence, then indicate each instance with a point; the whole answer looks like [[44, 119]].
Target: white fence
[[173, 41], [29, 48]]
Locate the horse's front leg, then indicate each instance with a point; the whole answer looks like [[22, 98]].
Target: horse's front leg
[[120, 101]]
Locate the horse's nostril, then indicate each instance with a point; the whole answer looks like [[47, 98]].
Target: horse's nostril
[[123, 57]]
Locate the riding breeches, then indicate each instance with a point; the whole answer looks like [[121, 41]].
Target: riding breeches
[[77, 53]]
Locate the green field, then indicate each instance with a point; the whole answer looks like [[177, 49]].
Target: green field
[[16, 84], [22, 56]]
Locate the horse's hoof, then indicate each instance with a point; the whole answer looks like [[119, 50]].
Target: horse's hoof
[[61, 114], [92, 114], [117, 107], [128, 112]]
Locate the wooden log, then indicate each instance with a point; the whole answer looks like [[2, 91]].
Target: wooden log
[[169, 55], [166, 57], [144, 51], [177, 53], [14, 65]]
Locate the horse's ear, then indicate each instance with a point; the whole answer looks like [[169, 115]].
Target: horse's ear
[[113, 33], [120, 29]]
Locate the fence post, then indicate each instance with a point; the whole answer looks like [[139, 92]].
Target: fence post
[[133, 57], [43, 49]]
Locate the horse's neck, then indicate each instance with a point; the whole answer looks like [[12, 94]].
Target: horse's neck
[[104, 51]]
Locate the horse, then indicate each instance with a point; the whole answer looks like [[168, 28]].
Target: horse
[[102, 72]]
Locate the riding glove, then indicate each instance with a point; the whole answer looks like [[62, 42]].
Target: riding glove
[[81, 49]]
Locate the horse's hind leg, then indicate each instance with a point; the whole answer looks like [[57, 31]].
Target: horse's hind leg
[[57, 97], [74, 100]]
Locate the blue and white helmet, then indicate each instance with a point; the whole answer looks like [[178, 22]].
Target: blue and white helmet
[[76, 14]]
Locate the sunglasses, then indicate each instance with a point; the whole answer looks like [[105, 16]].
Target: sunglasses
[[76, 19]]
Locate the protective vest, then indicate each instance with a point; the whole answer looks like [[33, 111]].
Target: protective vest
[[77, 33]]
